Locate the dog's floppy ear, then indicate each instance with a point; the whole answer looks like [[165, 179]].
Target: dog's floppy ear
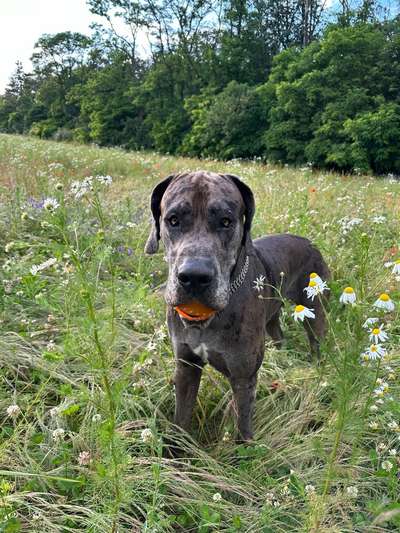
[[155, 203], [250, 206]]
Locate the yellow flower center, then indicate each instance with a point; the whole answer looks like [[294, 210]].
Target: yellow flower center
[[376, 331], [384, 297], [313, 275], [349, 290], [373, 348], [299, 308], [312, 283]]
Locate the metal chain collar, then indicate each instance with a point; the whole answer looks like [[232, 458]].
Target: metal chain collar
[[236, 283]]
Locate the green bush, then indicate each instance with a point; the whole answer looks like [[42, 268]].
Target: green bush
[[227, 125]]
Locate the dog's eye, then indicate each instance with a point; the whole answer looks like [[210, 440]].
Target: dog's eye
[[226, 222], [173, 220]]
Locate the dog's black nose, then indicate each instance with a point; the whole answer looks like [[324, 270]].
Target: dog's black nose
[[196, 275]]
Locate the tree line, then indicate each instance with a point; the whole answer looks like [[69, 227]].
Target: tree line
[[291, 81]]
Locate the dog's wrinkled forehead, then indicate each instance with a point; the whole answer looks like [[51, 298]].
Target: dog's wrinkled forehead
[[200, 189]]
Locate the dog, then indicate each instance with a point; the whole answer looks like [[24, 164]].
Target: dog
[[215, 313]]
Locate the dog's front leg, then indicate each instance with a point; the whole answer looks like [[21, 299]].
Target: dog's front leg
[[187, 381], [244, 393]]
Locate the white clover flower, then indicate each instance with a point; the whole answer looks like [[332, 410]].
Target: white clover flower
[[384, 302], [348, 296], [352, 492], [301, 312], [315, 288], [387, 465], [84, 458], [226, 437], [50, 204], [370, 322], [396, 267], [96, 418], [58, 434], [13, 410], [54, 412], [259, 283], [217, 497], [146, 435], [9, 246], [104, 180], [393, 452], [393, 425], [375, 351], [381, 447], [378, 335], [374, 408], [310, 489]]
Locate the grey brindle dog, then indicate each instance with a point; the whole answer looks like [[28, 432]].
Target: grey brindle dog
[[204, 221]]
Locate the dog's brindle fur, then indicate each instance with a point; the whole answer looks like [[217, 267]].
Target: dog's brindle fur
[[204, 220]]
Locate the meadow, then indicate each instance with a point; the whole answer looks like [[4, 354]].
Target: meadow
[[86, 391]]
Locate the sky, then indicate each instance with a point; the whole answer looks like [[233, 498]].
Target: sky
[[22, 22]]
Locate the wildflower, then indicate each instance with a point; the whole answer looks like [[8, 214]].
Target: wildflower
[[369, 322], [24, 215], [374, 408], [104, 180], [53, 412], [51, 346], [393, 452], [314, 288], [58, 434], [84, 458], [50, 204], [226, 437], [373, 425], [13, 410], [8, 247], [352, 492], [59, 186], [384, 302], [96, 418], [396, 267], [375, 351], [387, 465], [38, 268], [301, 312], [393, 425], [259, 283], [381, 447], [378, 335], [378, 219], [217, 497], [348, 296], [382, 389], [146, 435], [151, 346], [310, 489]]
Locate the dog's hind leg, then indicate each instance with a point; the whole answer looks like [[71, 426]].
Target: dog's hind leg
[[274, 330]]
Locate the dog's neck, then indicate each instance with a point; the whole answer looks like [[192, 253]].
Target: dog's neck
[[239, 271]]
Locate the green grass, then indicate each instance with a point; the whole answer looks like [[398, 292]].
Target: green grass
[[83, 349]]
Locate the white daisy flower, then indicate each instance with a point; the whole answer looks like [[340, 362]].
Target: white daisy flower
[[369, 322], [315, 277], [396, 267], [104, 180], [393, 425], [378, 335], [384, 302], [259, 283], [301, 312], [50, 204], [375, 351], [314, 288], [348, 296]]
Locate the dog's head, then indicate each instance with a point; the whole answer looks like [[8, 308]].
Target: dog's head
[[203, 219]]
